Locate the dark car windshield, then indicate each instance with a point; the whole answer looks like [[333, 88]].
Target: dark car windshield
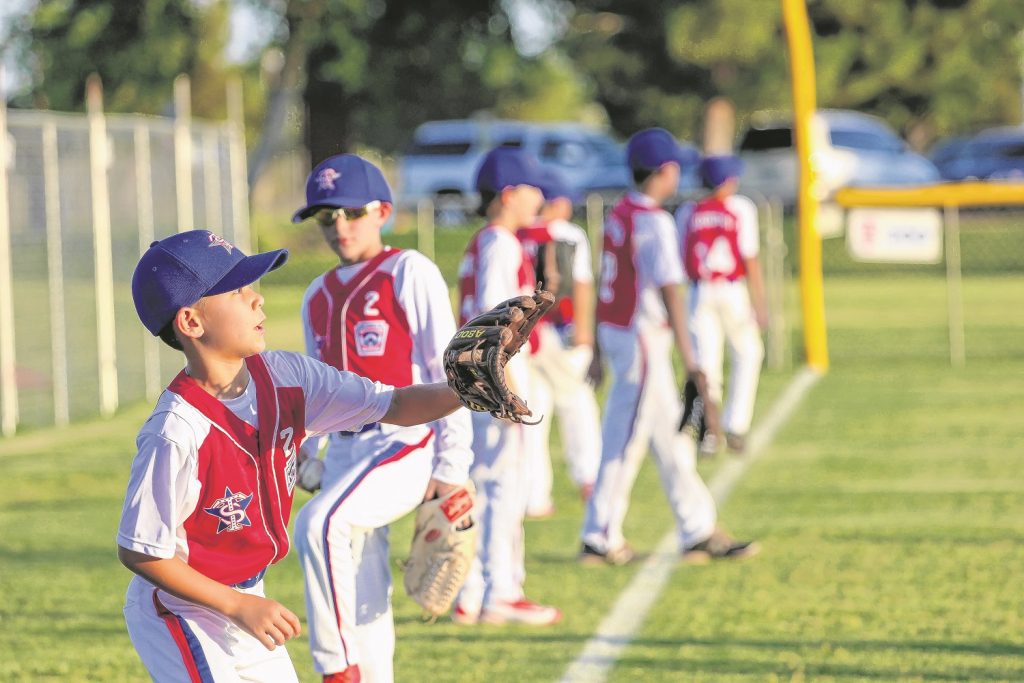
[[438, 149], [763, 139], [855, 139]]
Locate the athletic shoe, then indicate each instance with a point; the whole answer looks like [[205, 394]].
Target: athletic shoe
[[737, 443], [349, 675], [709, 445], [719, 546], [589, 555], [464, 616], [520, 611]]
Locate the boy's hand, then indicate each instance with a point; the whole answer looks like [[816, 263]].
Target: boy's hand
[[267, 620]]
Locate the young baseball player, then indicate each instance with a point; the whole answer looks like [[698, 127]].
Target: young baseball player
[[494, 268], [639, 317], [210, 490], [558, 368], [385, 314], [719, 238]]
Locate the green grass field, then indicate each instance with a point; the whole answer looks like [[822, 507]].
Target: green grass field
[[891, 508]]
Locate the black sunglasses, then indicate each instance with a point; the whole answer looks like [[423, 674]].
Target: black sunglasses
[[327, 217]]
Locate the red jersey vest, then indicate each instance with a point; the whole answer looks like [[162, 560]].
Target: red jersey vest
[[619, 288], [531, 238], [468, 276], [360, 325], [247, 478], [712, 247]]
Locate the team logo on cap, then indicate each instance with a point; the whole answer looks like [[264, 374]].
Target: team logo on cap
[[218, 241], [325, 178], [230, 511]]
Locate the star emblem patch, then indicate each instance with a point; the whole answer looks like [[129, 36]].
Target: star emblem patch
[[230, 511]]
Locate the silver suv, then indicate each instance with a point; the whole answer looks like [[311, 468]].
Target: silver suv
[[441, 162]]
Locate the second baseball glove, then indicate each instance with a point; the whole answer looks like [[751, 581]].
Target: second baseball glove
[[475, 359], [700, 413]]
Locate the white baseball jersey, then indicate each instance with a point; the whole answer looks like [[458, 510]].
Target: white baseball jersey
[[209, 487], [388, 318], [717, 236]]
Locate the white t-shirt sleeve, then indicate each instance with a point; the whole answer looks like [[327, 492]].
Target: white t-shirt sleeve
[[158, 487], [423, 294], [747, 227], [499, 257], [307, 327], [657, 248], [582, 271]]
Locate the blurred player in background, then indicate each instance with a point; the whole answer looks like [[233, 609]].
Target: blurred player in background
[[560, 251], [639, 315], [719, 238], [210, 491], [385, 314], [495, 268]]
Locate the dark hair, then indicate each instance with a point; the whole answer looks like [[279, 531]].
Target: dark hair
[[640, 175], [486, 197], [167, 336]]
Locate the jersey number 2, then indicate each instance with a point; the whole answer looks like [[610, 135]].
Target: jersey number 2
[[370, 307]]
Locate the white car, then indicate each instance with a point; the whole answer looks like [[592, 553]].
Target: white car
[[852, 149]]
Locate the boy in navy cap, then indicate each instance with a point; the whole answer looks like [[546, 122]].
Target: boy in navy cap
[[720, 242], [640, 317], [210, 490], [385, 314], [493, 269]]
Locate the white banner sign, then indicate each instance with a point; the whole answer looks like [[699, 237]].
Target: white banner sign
[[911, 235]]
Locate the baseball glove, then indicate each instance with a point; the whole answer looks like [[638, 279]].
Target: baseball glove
[[700, 413], [475, 359], [442, 552]]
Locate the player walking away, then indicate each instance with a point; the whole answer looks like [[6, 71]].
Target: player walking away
[[719, 237], [494, 268], [385, 314], [560, 251], [639, 315], [210, 490]]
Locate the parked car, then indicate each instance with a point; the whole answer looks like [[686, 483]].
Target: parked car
[[441, 161], [996, 153], [853, 149]]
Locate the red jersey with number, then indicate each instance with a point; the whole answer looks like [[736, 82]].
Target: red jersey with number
[[240, 524], [711, 250], [475, 278], [360, 326], [619, 288]]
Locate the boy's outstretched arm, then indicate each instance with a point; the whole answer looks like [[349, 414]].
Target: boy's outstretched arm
[[267, 620], [420, 404]]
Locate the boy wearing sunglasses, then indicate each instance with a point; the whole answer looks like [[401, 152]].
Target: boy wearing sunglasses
[[385, 314]]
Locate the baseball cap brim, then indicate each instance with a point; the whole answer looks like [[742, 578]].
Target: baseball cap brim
[[249, 270]]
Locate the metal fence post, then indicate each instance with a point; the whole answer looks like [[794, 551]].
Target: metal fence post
[[211, 182], [147, 233], [55, 274], [99, 162], [241, 230], [425, 227], [8, 378], [183, 152], [595, 226], [775, 283], [954, 287]]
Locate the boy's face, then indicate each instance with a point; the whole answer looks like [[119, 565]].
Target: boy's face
[[354, 234], [232, 323], [522, 204]]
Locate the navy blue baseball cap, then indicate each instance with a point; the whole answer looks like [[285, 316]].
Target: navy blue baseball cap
[[554, 185], [507, 167], [179, 270], [717, 169], [345, 181], [649, 149]]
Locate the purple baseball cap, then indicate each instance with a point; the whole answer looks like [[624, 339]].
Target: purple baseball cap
[[344, 181], [507, 167], [649, 149], [554, 185], [717, 169], [179, 270]]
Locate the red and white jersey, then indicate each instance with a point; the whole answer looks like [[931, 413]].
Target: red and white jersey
[[494, 268], [212, 481], [560, 231], [640, 255], [390, 319], [717, 237]]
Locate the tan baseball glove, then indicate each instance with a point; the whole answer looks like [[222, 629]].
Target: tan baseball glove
[[475, 359], [443, 546]]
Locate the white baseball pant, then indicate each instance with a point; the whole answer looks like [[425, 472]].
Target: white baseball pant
[[643, 410], [181, 642], [720, 314], [558, 386], [370, 479]]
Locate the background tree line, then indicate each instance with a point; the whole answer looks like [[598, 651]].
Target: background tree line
[[367, 72]]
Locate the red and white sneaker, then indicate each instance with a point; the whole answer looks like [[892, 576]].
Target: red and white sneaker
[[464, 616], [520, 611], [349, 675]]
